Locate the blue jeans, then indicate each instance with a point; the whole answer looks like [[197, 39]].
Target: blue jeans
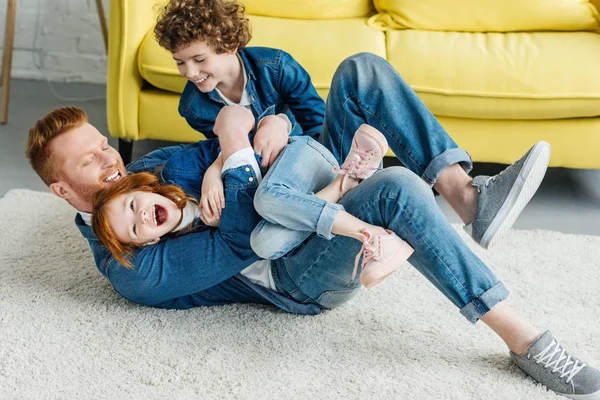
[[318, 266], [366, 89]]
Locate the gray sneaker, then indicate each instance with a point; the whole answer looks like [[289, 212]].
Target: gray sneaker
[[502, 197], [548, 362]]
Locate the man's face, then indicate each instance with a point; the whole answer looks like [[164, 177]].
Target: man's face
[[206, 69], [86, 164]]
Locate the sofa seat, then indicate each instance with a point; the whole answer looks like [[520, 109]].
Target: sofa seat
[[501, 75], [324, 45]]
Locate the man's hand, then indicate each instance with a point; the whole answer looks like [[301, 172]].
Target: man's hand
[[271, 137], [232, 126], [233, 120], [212, 199]]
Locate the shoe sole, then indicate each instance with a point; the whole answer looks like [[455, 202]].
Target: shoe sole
[[527, 184], [376, 276], [376, 136], [591, 396]]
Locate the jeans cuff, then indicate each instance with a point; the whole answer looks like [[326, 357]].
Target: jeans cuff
[[325, 222], [479, 306], [443, 161]]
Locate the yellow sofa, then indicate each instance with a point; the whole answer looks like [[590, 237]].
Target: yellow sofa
[[499, 75]]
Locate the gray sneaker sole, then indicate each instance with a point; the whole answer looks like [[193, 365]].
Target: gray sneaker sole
[[591, 396], [524, 188]]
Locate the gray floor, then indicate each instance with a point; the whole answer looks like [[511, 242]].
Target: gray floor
[[568, 200]]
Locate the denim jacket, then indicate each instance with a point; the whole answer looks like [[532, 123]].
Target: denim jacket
[[199, 268], [276, 84]]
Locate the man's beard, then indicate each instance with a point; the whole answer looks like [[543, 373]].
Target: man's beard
[[85, 191]]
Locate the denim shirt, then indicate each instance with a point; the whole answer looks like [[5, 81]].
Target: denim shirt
[[276, 84], [200, 268]]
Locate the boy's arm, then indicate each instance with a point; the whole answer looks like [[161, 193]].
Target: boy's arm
[[298, 92]]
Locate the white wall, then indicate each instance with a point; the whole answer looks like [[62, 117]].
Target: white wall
[[68, 45]]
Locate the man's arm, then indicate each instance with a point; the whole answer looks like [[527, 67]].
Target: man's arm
[[155, 159], [271, 137]]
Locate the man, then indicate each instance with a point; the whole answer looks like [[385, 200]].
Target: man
[[74, 160]]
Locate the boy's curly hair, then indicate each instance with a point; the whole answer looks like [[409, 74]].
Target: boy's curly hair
[[220, 23]]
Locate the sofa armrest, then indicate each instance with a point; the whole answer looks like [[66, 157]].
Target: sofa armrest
[[130, 22]]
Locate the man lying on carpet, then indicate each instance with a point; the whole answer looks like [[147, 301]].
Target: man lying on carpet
[[75, 161]]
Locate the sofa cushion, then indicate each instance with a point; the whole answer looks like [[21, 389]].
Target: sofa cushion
[[486, 15], [324, 45], [541, 75], [309, 9]]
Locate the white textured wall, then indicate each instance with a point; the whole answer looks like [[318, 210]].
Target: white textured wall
[[68, 45]]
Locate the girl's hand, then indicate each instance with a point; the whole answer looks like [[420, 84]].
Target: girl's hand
[[214, 222], [212, 199]]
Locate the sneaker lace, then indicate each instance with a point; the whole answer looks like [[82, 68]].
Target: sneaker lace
[[369, 250], [355, 166], [546, 358], [493, 178]]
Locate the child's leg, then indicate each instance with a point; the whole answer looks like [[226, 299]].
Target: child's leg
[[285, 200]]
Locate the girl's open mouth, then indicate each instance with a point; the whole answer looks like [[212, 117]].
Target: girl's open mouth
[[160, 215]]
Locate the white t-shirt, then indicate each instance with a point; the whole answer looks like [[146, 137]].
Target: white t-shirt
[[245, 100]]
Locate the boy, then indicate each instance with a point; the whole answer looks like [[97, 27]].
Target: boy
[[207, 40]]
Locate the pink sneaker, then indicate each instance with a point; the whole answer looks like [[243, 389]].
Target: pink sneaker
[[382, 255], [368, 149]]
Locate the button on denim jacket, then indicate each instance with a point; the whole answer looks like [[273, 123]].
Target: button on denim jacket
[[276, 84], [199, 268]]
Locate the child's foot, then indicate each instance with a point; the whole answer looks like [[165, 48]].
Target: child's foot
[[548, 362], [382, 255], [368, 149], [502, 197]]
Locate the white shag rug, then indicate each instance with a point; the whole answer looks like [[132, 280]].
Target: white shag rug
[[65, 334]]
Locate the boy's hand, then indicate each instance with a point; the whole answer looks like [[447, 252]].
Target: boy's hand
[[270, 138], [212, 198]]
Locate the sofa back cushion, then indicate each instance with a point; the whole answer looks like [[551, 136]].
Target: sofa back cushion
[[486, 15], [500, 76], [309, 9]]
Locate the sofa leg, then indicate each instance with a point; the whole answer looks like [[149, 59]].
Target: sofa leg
[[126, 150]]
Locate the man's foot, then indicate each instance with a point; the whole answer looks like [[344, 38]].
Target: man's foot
[[502, 197], [382, 255], [547, 362], [368, 149]]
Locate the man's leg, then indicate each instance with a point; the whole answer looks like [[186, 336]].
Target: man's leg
[[320, 272], [397, 199], [367, 89]]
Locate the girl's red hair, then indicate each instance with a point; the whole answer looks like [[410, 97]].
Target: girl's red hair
[[142, 181]]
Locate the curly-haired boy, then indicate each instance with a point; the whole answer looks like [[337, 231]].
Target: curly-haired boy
[[208, 39]]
